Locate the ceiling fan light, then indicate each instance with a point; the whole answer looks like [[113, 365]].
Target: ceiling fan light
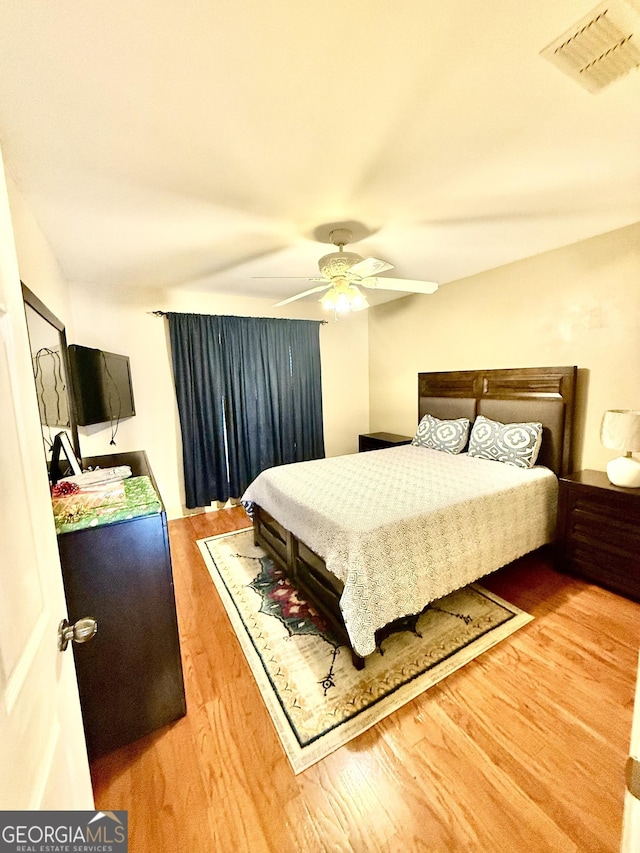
[[342, 271], [358, 300], [343, 303], [329, 299], [343, 297]]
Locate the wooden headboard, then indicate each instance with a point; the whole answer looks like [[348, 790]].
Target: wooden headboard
[[544, 394]]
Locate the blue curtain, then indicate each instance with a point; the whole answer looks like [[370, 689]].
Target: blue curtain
[[249, 397]]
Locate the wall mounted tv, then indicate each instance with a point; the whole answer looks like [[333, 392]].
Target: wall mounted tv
[[101, 385]]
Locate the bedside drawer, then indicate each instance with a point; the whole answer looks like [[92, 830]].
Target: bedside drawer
[[596, 523], [605, 569], [599, 532], [378, 440]]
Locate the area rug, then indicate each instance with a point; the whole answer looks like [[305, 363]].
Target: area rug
[[317, 700]]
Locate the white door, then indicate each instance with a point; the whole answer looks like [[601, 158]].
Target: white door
[[43, 758]]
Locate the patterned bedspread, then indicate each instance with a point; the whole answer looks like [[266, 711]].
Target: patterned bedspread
[[406, 525]]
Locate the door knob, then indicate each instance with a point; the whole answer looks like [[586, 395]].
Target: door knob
[[81, 632]]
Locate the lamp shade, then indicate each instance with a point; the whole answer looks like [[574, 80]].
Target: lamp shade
[[620, 430]]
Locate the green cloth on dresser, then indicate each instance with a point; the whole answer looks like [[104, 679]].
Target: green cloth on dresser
[[127, 499]]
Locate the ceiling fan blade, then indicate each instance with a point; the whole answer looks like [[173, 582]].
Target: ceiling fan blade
[[304, 293], [407, 285], [369, 266]]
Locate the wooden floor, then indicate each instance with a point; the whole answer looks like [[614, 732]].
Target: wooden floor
[[523, 750]]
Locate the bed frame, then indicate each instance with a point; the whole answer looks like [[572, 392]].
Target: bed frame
[[544, 394]]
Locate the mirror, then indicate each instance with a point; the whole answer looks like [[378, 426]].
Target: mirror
[[48, 343]]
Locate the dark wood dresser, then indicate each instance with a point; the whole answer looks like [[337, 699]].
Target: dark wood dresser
[[599, 532], [378, 440], [130, 673]]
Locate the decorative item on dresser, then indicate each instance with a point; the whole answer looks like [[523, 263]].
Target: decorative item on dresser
[[599, 532], [380, 440], [362, 511], [116, 567]]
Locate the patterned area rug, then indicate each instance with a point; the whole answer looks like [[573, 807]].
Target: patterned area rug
[[318, 701]]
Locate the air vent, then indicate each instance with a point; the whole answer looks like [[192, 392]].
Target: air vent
[[600, 48]]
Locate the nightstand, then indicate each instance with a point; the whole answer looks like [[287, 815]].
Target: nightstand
[[599, 532], [378, 440]]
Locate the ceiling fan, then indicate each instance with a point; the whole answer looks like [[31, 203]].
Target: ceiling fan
[[343, 273]]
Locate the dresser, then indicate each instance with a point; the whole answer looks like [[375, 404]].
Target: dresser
[[599, 531], [378, 440], [119, 572]]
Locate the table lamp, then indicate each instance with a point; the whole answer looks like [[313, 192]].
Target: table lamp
[[620, 430]]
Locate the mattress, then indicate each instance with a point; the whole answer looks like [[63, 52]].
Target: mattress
[[404, 526]]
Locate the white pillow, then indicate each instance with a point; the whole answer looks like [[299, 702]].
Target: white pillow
[[449, 436], [513, 444]]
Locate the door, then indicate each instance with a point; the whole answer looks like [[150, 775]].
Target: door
[[43, 759]]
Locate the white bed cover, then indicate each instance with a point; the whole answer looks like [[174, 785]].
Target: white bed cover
[[407, 525]]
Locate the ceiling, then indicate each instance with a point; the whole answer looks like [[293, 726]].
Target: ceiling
[[200, 143]]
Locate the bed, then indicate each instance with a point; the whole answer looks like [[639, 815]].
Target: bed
[[371, 539]]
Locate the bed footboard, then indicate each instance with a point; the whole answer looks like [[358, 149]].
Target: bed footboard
[[306, 571]]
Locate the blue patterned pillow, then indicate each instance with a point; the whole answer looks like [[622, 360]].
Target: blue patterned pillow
[[449, 436], [514, 444]]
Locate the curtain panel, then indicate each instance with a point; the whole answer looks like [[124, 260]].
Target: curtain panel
[[249, 396]]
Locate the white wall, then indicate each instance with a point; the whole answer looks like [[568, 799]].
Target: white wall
[[576, 305], [39, 269], [120, 322]]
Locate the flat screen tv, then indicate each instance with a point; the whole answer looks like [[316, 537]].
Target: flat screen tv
[[101, 385]]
